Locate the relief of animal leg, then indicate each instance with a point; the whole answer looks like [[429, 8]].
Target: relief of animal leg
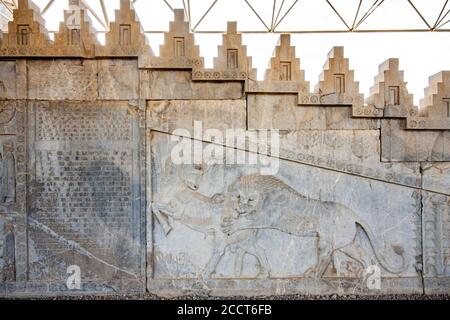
[[217, 254], [239, 262], [265, 269], [357, 253], [248, 244], [324, 259], [162, 219]]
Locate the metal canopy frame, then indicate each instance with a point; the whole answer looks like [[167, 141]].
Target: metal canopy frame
[[441, 24]]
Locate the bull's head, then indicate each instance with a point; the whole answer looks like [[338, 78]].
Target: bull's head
[[191, 175]]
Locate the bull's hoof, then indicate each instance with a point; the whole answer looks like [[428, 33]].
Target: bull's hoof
[[310, 273], [206, 275], [265, 274]]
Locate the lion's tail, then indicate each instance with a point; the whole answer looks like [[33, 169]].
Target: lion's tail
[[397, 249]]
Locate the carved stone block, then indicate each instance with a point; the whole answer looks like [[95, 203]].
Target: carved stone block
[[70, 79], [399, 144], [330, 99], [13, 193], [169, 85], [169, 115], [89, 186], [355, 152], [118, 79], [8, 80], [436, 177], [282, 112], [340, 118]]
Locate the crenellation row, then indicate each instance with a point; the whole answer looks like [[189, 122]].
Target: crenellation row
[[389, 96]]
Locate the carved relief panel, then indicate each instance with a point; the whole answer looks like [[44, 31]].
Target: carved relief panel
[[228, 229], [86, 199], [12, 147], [13, 191]]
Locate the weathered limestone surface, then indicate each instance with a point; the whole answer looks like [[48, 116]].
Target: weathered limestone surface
[[169, 115], [282, 112], [355, 152], [436, 177], [93, 199], [436, 228], [8, 85], [74, 79], [118, 79], [13, 79], [178, 85]]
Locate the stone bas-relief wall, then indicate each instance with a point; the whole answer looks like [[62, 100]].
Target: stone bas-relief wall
[[89, 191]]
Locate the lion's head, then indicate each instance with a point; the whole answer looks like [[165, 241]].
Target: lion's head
[[248, 194]]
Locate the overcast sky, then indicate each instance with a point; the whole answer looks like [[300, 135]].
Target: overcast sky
[[421, 54]]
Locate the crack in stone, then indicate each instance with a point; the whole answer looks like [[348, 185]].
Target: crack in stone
[[74, 246]]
